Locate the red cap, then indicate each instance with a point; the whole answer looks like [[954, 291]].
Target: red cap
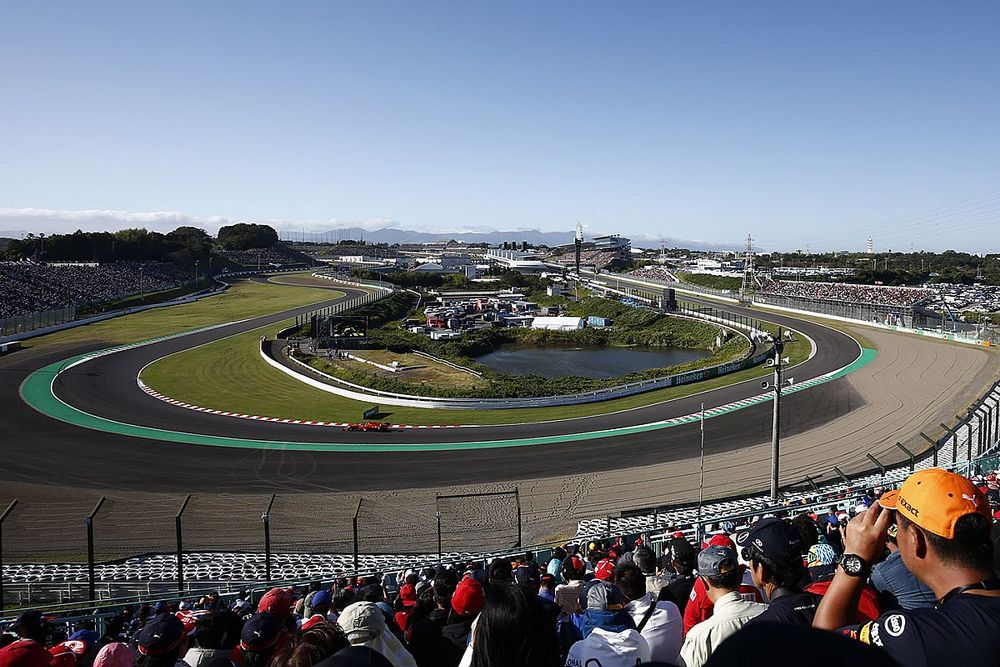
[[62, 656], [25, 653], [605, 569], [468, 598], [408, 594], [278, 601], [720, 541], [313, 621]]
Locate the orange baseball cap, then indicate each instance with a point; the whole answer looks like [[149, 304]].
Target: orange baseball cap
[[935, 500]]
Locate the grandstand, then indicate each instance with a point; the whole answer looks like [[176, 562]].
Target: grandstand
[[27, 287]]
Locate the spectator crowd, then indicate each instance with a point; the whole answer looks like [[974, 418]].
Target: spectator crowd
[[907, 577], [265, 257], [879, 295], [29, 287]]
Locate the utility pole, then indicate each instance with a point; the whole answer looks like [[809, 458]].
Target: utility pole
[[748, 272], [778, 363]]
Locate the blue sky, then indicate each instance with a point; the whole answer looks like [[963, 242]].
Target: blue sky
[[800, 122]]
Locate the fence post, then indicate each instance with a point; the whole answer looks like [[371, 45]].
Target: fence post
[[954, 442], [180, 545], [841, 475], [266, 518], [934, 447], [607, 530], [517, 501], [90, 547], [3, 517], [354, 525], [913, 459], [877, 463], [438, 513]]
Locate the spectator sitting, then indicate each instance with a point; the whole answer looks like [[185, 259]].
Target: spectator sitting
[[699, 606], [719, 570], [318, 643], [423, 633], [682, 559], [821, 562], [115, 654], [513, 629], [774, 551], [547, 587], [645, 560], [659, 621], [24, 652], [568, 594], [554, 566], [365, 625], [466, 603], [943, 533], [896, 585], [211, 644], [162, 642], [609, 634], [262, 636]]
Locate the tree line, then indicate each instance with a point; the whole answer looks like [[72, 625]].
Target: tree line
[[138, 244]]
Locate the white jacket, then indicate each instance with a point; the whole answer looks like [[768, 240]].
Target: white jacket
[[731, 613], [609, 649], [664, 632]]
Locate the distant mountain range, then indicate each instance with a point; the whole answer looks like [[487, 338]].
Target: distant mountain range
[[394, 235], [532, 236]]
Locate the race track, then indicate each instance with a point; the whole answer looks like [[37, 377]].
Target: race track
[[830, 424]]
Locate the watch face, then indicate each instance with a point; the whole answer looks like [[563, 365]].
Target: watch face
[[852, 564]]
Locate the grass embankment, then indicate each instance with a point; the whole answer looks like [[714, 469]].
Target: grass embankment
[[710, 281], [243, 300], [216, 375]]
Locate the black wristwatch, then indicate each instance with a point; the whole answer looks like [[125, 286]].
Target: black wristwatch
[[854, 565]]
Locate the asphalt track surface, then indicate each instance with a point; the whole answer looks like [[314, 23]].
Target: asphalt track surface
[[37, 447]]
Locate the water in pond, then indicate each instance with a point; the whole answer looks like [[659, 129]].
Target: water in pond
[[591, 362]]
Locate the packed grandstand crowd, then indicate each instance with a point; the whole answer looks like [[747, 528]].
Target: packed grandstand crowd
[[265, 257], [846, 292], [907, 577], [28, 287], [598, 258]]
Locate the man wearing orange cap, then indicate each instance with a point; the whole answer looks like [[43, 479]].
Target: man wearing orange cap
[[943, 533]]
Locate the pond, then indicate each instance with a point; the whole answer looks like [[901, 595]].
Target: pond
[[590, 362]]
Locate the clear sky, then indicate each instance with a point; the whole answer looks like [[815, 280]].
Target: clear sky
[[801, 122]]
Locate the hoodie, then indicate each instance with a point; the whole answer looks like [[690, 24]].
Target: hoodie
[[612, 621], [609, 649]]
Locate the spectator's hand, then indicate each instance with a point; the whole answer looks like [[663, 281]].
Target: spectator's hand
[[866, 533]]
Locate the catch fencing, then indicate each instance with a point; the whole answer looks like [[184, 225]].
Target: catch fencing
[[465, 527]]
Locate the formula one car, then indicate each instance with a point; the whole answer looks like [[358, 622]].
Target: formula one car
[[369, 426]]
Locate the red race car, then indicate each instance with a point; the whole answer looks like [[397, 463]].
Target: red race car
[[369, 426]]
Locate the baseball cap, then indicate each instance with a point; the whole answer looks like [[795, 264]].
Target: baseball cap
[[600, 595], [716, 560], [573, 564], [321, 598], [24, 653], [161, 634], [277, 601], [312, 622], [720, 540], [936, 499], [62, 656], [408, 595], [468, 598], [605, 569], [362, 622], [775, 539], [682, 552], [261, 632]]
